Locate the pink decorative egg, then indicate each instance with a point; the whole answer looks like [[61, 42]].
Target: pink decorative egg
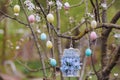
[[93, 35], [31, 18]]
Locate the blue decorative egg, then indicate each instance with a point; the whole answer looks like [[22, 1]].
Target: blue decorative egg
[[43, 36], [88, 52], [53, 62]]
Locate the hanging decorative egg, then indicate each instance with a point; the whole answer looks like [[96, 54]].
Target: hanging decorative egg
[[50, 17], [31, 18], [88, 52], [93, 36], [66, 6], [43, 36], [53, 62], [93, 24], [49, 44], [16, 10]]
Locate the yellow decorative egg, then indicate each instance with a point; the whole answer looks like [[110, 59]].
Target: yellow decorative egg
[[16, 9], [49, 44], [50, 17]]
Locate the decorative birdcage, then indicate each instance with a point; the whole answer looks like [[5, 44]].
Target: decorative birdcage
[[70, 63]]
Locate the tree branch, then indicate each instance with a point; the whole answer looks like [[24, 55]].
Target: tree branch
[[113, 62], [59, 46], [106, 25], [28, 68], [76, 5], [112, 2], [95, 9], [116, 17], [36, 40], [105, 34], [41, 8], [76, 27], [14, 18], [92, 3]]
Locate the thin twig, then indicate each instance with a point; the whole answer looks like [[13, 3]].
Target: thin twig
[[13, 18], [100, 25], [93, 66], [97, 10], [74, 28], [85, 58], [83, 68], [59, 46], [36, 41], [112, 2], [76, 5], [109, 5], [28, 68], [41, 8]]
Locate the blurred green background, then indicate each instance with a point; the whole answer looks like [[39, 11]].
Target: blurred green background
[[18, 34]]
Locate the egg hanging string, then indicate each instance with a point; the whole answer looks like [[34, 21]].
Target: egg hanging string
[[93, 40], [71, 43], [51, 38], [89, 46], [85, 57]]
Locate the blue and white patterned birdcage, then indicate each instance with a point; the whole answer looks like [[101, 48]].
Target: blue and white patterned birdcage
[[70, 63]]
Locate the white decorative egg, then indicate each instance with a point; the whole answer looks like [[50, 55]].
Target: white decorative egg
[[93, 24], [66, 6]]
